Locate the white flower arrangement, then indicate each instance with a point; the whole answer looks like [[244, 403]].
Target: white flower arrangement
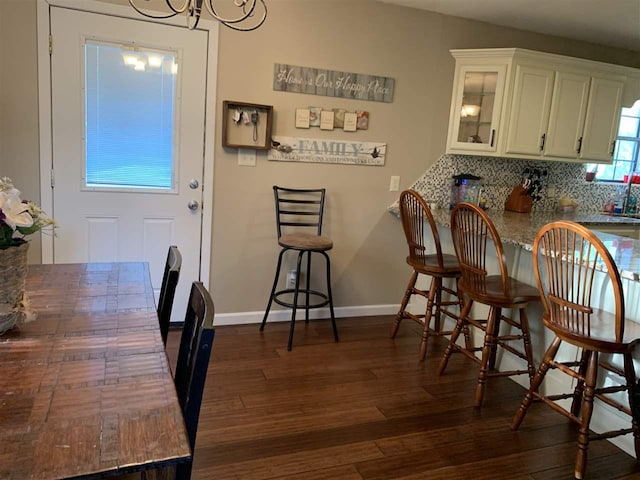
[[18, 218]]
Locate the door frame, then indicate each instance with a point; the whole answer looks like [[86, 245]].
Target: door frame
[[46, 119]]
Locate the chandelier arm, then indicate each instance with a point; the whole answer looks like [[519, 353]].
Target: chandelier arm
[[175, 11], [181, 9], [246, 29], [246, 12], [194, 10]]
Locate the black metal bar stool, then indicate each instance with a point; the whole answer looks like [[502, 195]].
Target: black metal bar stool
[[302, 209]]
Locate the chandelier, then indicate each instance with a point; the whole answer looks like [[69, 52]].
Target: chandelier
[[250, 18]]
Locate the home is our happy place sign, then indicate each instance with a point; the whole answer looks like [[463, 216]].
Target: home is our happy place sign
[[331, 83]]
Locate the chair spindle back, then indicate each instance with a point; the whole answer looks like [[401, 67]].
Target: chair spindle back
[[471, 231], [415, 214], [566, 256]]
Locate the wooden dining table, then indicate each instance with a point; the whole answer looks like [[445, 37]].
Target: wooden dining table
[[85, 387]]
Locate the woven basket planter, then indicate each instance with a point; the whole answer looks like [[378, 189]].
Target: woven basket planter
[[13, 274]]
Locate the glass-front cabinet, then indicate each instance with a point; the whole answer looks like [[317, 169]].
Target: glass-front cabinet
[[517, 103], [476, 106]]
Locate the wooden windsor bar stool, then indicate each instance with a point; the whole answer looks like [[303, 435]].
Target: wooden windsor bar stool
[[472, 232], [416, 220], [565, 260]]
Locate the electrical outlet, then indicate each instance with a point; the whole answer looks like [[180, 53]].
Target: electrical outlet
[[246, 157], [394, 184], [291, 279]]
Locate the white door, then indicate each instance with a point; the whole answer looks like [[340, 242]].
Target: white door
[[128, 101]]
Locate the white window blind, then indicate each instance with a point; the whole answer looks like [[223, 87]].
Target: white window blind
[[129, 117]]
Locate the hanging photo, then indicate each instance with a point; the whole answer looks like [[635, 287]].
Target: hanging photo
[[363, 120], [314, 116]]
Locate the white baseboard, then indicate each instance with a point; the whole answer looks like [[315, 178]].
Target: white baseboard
[[282, 315]]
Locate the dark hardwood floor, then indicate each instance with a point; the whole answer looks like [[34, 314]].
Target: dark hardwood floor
[[367, 408]]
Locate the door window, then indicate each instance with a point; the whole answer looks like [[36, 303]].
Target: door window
[[130, 96]]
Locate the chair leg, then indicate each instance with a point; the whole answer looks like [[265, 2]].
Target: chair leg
[[295, 302], [630, 376], [587, 411], [578, 392], [273, 289], [526, 340], [461, 325], [182, 471], [330, 297], [488, 353], [308, 280], [467, 336], [403, 306], [437, 303], [434, 289], [549, 355], [496, 313]]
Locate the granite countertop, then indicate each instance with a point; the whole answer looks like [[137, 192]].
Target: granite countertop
[[521, 228]]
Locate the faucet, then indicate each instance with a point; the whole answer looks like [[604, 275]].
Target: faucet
[[625, 204]]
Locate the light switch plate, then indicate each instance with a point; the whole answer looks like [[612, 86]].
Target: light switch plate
[[246, 157], [394, 184]]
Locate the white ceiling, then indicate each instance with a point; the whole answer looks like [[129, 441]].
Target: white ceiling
[[614, 23]]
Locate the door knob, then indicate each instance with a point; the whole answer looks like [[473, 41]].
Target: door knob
[[193, 205]]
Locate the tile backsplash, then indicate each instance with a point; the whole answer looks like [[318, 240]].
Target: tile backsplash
[[500, 175]]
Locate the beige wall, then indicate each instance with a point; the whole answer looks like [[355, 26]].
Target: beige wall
[[19, 151], [356, 36]]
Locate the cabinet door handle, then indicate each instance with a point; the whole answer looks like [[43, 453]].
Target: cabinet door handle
[[493, 136], [579, 146], [542, 140], [613, 148]]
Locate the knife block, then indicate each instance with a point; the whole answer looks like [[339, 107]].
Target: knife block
[[518, 200]]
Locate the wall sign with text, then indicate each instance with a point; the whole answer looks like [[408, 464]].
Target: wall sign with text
[[331, 83], [317, 150]]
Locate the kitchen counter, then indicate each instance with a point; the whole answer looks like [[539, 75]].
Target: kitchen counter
[[520, 229]]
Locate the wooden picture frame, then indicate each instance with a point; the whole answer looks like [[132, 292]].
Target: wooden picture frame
[[238, 129]]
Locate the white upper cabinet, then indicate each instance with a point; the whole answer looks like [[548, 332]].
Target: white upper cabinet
[[603, 115], [523, 104], [476, 108], [568, 110], [527, 131]]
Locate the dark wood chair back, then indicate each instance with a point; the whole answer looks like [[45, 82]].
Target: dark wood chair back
[[192, 363], [415, 215], [168, 289], [299, 208], [566, 256], [472, 231]]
